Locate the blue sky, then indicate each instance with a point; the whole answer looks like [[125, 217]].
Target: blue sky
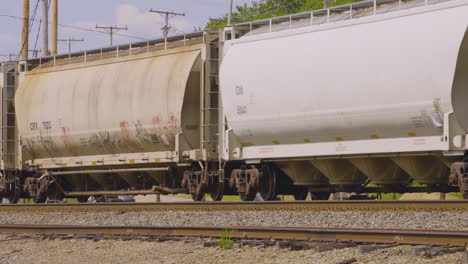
[[88, 13]]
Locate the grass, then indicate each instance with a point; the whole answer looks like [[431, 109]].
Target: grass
[[225, 240]]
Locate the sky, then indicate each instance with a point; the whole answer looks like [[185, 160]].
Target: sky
[[89, 13]]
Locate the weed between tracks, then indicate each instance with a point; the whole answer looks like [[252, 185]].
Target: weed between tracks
[[225, 240]]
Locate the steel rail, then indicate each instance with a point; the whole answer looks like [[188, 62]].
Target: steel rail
[[410, 205], [392, 236]]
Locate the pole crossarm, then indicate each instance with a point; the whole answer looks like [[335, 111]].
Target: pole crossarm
[[70, 40], [166, 27], [112, 30]]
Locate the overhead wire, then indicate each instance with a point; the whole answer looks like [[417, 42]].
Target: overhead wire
[[39, 31], [78, 28], [29, 28]]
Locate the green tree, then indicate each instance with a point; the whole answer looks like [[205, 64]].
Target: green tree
[[261, 9]]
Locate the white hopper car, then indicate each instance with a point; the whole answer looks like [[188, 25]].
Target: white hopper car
[[325, 101]]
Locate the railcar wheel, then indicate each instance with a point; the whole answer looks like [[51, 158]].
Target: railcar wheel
[[54, 193], [84, 199], [14, 193], [13, 198], [217, 190], [320, 195], [246, 197], [195, 182], [41, 198], [300, 195], [198, 197], [268, 183]]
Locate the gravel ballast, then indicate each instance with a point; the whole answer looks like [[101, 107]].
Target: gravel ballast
[[451, 220], [116, 251]]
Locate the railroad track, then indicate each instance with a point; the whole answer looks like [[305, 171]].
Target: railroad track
[[426, 205], [387, 236]]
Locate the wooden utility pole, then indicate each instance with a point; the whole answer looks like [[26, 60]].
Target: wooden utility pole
[[54, 29], [45, 28], [111, 31], [166, 27], [70, 40], [25, 35]]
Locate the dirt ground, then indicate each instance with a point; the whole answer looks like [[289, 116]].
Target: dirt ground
[[115, 251]]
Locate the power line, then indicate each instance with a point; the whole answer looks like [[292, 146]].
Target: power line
[[79, 28], [24, 44], [166, 28], [34, 52], [111, 32]]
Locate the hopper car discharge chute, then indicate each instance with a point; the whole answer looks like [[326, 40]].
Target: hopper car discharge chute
[[364, 98]]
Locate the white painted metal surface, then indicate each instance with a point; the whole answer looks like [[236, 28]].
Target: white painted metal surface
[[358, 82], [113, 106]]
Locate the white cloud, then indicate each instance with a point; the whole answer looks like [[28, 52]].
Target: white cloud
[[127, 14]]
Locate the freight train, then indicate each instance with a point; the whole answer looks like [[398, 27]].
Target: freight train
[[365, 97]]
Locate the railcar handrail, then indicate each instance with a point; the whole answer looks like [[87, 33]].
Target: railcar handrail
[[329, 14]]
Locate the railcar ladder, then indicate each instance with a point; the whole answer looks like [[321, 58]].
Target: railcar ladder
[[210, 97], [8, 123]]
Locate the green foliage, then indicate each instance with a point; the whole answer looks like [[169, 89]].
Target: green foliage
[[225, 240], [262, 9]]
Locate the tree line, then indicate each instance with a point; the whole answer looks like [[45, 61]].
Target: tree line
[[261, 9]]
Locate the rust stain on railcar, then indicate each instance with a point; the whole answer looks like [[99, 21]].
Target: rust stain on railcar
[[68, 141]]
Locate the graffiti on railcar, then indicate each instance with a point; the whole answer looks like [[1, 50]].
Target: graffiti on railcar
[[143, 135], [126, 135]]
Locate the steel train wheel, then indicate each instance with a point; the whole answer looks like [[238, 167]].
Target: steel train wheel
[[247, 197], [217, 190], [320, 196], [268, 182], [250, 178], [54, 193], [14, 195], [13, 198], [82, 199], [300, 195], [198, 197], [41, 199]]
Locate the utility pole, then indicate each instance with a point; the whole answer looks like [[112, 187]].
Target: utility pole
[[166, 27], [231, 3], [34, 52], [70, 40], [325, 3], [25, 35], [111, 30], [45, 28], [54, 30], [10, 56]]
